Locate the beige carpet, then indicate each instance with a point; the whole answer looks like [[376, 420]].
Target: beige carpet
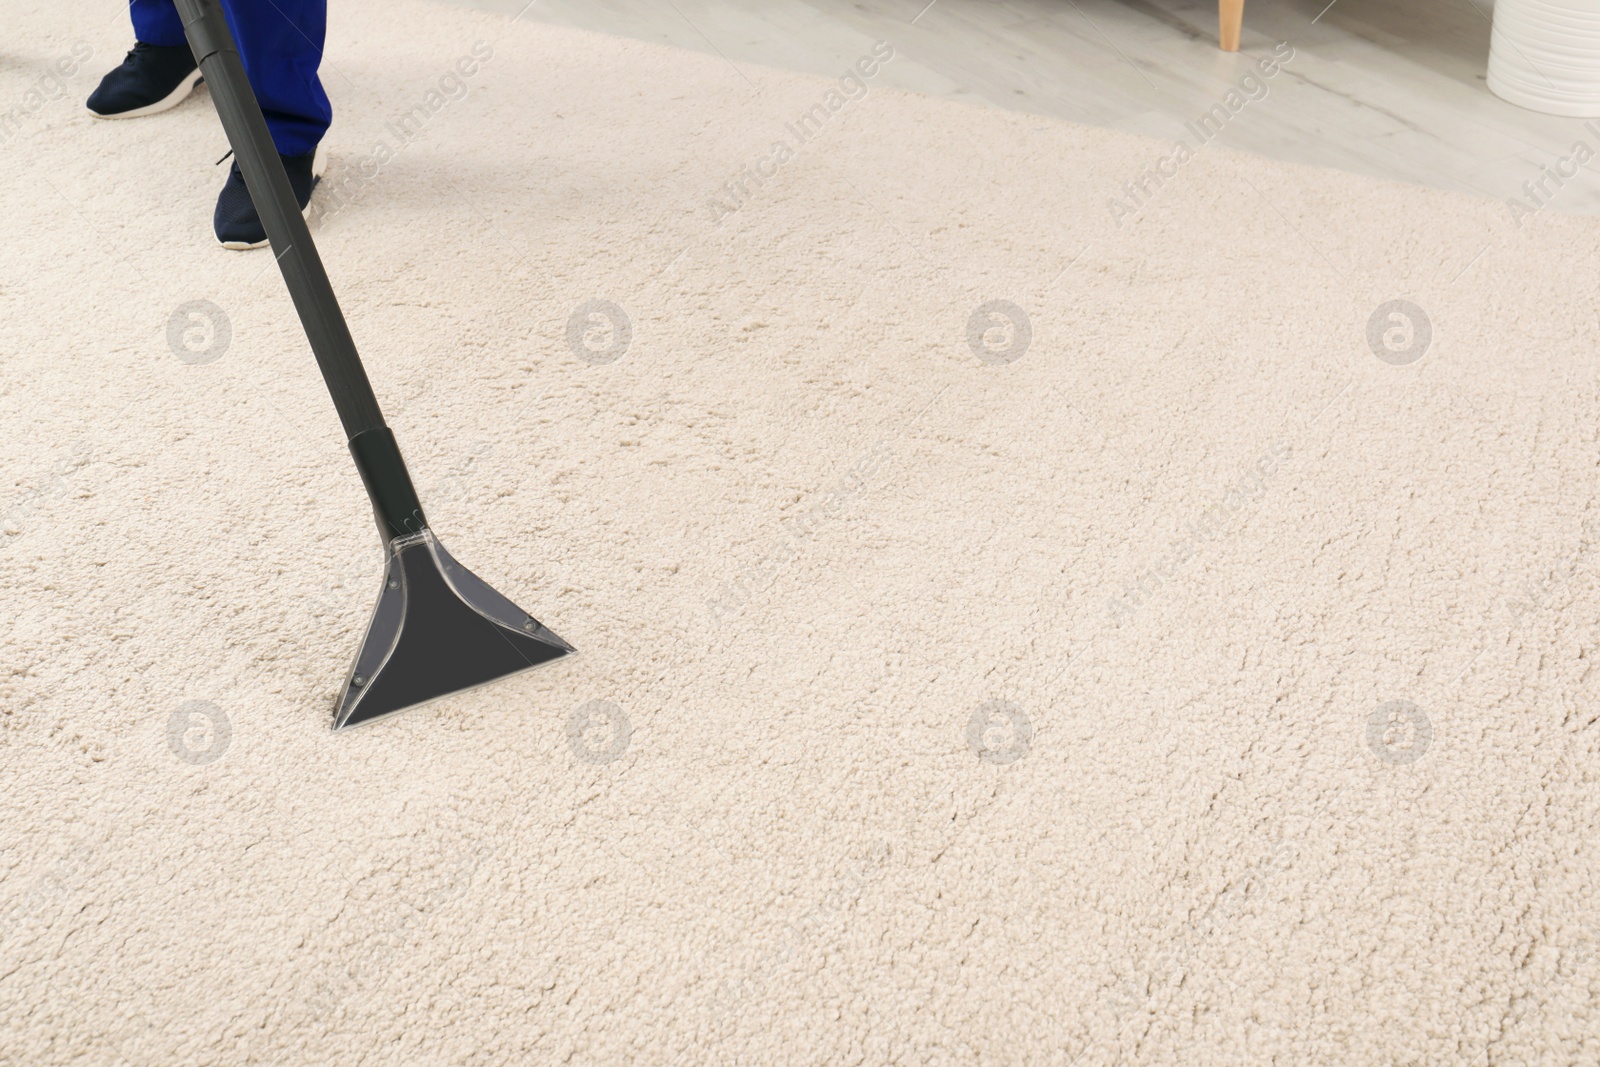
[[1179, 683]]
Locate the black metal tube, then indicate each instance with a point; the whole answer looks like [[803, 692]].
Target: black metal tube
[[206, 28], [394, 500]]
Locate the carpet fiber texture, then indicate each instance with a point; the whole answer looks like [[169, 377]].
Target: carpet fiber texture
[[1013, 628]]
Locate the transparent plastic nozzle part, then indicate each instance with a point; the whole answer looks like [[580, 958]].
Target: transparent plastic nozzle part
[[437, 629]]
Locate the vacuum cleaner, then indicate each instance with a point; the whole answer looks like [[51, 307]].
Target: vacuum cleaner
[[437, 628]]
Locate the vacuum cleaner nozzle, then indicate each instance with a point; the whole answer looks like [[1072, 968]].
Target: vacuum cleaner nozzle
[[437, 629]]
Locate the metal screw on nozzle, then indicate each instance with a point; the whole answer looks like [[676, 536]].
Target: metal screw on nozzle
[[358, 681]]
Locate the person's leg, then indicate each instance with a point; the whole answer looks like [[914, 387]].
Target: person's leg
[[156, 75], [280, 42], [280, 45], [156, 22]]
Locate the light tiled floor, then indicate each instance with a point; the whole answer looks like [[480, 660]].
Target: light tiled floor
[[1376, 87]]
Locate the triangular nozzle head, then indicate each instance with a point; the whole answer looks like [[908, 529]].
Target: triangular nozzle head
[[437, 629]]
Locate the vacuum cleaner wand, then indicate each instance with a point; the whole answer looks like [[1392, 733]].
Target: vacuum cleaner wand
[[437, 628]]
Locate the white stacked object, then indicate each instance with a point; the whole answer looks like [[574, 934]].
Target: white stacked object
[[1545, 55]]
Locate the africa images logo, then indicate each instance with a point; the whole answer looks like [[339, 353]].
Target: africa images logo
[[1250, 89], [852, 86]]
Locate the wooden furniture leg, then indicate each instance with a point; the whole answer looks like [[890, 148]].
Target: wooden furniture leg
[[1230, 21]]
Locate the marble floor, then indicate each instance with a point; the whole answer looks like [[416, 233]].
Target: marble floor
[[1394, 91]]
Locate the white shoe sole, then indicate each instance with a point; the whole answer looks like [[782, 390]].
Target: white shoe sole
[[166, 103], [319, 163]]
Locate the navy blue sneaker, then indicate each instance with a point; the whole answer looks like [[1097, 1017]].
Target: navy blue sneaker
[[152, 78], [236, 222]]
